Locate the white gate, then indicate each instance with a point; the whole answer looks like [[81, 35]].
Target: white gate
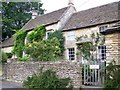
[[95, 71]]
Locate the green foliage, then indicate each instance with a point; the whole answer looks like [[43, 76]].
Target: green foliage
[[60, 37], [85, 50], [47, 80], [9, 55], [19, 42], [113, 77], [89, 49], [25, 59], [45, 50], [37, 34], [4, 57], [16, 14]]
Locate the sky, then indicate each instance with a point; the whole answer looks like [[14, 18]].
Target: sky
[[52, 5]]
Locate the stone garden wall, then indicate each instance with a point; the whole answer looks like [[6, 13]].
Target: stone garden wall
[[19, 71]]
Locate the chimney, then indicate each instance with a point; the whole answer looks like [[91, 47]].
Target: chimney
[[70, 3], [34, 13]]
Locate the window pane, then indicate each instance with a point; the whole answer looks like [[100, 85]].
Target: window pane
[[71, 53]]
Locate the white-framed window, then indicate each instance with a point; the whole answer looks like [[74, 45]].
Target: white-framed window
[[48, 33], [102, 52], [71, 53], [103, 28], [70, 35]]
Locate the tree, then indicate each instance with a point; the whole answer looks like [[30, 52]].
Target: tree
[[16, 14]]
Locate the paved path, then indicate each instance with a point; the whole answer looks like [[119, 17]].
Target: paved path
[[7, 84], [92, 88]]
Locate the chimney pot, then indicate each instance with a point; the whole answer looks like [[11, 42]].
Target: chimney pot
[[34, 13]]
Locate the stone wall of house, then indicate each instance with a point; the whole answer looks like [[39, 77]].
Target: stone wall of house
[[19, 71], [113, 47]]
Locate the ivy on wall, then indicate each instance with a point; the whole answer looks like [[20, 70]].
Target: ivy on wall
[[37, 47], [19, 43]]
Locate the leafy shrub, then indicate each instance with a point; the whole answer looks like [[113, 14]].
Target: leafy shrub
[[4, 57], [25, 58], [47, 80], [9, 55], [113, 77], [37, 34], [45, 50], [59, 35]]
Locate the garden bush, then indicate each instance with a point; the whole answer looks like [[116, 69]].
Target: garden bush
[[45, 50], [59, 35], [113, 77], [47, 80], [25, 58], [4, 58], [9, 55], [41, 49]]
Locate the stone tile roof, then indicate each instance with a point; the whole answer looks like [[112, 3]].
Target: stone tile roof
[[45, 19], [98, 15], [8, 42]]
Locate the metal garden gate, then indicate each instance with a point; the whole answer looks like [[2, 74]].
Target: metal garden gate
[[95, 71]]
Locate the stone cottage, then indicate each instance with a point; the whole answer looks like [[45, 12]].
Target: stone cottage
[[104, 19]]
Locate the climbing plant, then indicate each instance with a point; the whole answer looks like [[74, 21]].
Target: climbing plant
[[19, 42], [37, 34], [88, 49]]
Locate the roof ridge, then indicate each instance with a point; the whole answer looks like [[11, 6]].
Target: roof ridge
[[98, 6], [52, 11], [99, 14]]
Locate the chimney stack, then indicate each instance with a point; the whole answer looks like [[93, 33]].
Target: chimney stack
[[70, 3], [34, 14]]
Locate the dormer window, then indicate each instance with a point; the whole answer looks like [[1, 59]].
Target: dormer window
[[103, 28]]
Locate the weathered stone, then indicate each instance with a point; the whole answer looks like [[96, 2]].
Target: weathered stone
[[19, 71]]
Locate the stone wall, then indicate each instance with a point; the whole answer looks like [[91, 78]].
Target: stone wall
[[113, 47], [19, 71]]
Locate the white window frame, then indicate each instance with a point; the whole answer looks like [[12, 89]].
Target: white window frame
[[102, 52], [71, 54], [47, 34], [103, 28]]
